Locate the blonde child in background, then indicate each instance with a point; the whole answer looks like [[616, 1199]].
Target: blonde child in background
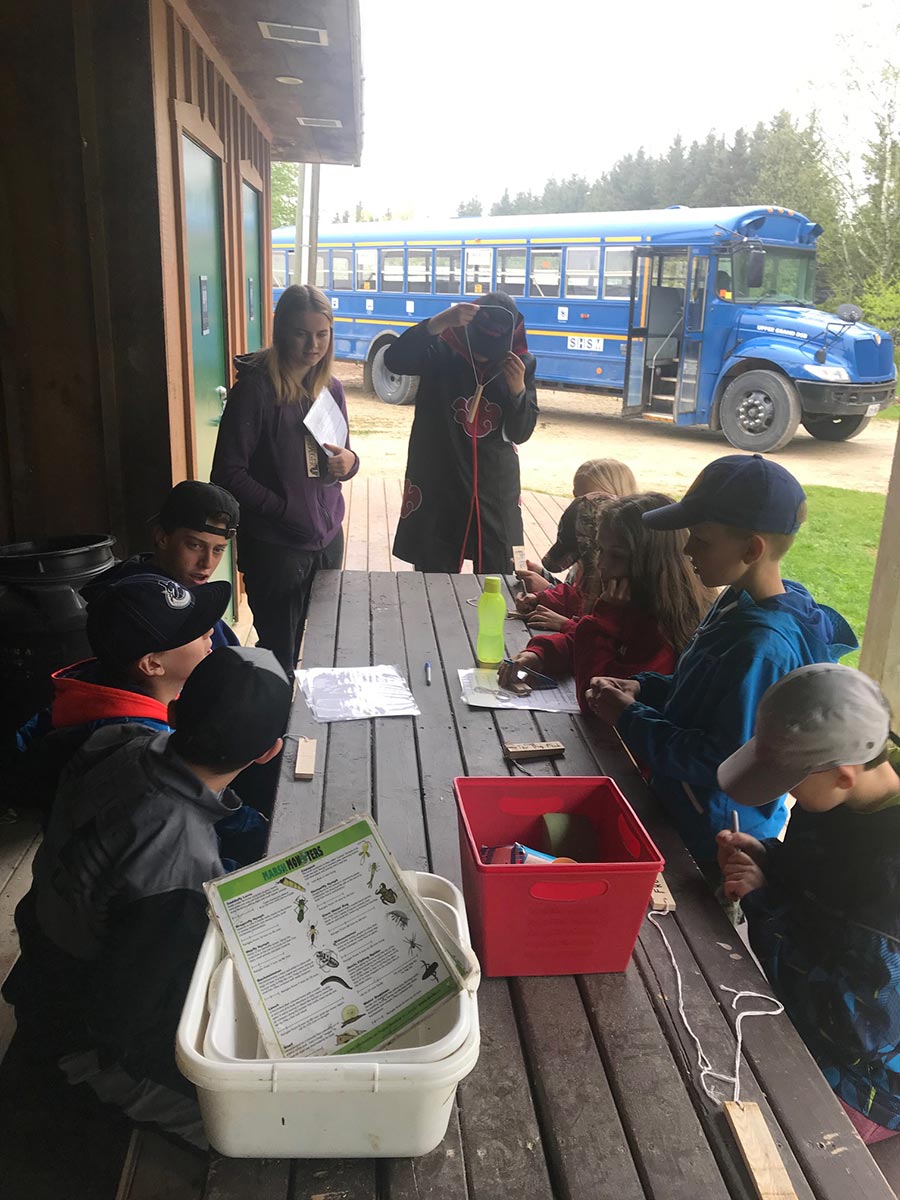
[[550, 604]]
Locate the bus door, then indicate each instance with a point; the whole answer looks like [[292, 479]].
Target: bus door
[[636, 395], [692, 337]]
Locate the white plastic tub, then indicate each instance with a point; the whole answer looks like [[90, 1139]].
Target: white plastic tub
[[383, 1104]]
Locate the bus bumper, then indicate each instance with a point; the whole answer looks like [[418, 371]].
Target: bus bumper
[[845, 399]]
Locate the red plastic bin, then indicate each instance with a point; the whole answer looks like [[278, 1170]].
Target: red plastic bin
[[558, 919]]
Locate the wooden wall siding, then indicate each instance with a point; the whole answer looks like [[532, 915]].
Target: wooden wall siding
[[195, 94]]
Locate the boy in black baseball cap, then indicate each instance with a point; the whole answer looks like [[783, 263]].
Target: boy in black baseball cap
[[147, 633], [112, 925], [191, 533], [822, 906], [742, 513]]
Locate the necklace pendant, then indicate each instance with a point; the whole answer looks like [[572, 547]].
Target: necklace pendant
[[473, 405]]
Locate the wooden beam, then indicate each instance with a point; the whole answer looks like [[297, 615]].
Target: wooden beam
[[880, 657], [759, 1152]]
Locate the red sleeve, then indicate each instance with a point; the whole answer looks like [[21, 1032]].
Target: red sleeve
[[563, 599], [618, 642], [555, 652]]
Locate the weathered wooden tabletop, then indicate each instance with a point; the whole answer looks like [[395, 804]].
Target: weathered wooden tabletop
[[586, 1087]]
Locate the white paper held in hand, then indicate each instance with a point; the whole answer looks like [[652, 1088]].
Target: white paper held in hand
[[326, 422]]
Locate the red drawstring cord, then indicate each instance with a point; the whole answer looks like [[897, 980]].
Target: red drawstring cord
[[475, 502]]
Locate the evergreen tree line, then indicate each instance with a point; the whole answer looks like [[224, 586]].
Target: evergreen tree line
[[785, 162]]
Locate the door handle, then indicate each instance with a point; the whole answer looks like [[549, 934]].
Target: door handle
[[222, 393]]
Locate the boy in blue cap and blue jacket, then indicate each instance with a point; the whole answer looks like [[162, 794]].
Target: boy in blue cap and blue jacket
[[822, 906], [742, 513]]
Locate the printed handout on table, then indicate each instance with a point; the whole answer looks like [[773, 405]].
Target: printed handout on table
[[481, 689], [355, 693], [334, 951]]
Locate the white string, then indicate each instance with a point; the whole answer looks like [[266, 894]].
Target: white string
[[703, 1063]]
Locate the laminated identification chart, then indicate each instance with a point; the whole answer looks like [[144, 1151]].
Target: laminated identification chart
[[334, 952], [481, 689]]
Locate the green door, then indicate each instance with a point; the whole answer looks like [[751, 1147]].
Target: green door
[[252, 294], [203, 213]]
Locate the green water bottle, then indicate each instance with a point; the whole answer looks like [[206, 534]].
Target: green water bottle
[[490, 646]]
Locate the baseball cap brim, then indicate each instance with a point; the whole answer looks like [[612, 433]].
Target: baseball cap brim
[[210, 602], [559, 557], [673, 516], [749, 779]]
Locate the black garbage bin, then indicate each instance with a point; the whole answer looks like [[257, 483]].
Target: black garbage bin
[[42, 616]]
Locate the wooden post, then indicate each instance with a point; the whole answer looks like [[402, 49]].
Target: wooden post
[[880, 656], [313, 234], [297, 275]]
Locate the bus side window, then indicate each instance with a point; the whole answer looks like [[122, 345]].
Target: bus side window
[[418, 271], [342, 270], [279, 269], [617, 273], [392, 270], [366, 270], [546, 267], [479, 263], [582, 273], [446, 271], [322, 280], [511, 272]]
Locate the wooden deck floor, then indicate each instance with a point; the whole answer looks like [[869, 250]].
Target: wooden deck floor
[[373, 508]]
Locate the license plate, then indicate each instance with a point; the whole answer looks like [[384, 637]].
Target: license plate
[[873, 409]]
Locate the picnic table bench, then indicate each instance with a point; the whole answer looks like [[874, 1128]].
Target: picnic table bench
[[586, 1086]]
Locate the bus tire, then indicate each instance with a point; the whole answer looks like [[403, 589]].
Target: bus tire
[[760, 410], [834, 429], [391, 388]]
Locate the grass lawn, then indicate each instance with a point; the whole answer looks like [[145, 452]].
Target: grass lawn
[[834, 555], [889, 414]]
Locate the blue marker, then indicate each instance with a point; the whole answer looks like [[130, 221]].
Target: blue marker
[[428, 674]]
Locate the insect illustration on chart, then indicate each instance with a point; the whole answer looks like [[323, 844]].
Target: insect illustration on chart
[[312, 933], [431, 970], [387, 895], [399, 917], [327, 959], [301, 900], [344, 1039], [364, 851], [412, 944], [373, 867]]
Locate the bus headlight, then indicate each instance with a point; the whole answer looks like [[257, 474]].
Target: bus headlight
[[829, 374]]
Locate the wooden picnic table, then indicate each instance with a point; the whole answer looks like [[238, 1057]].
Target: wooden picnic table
[[587, 1086]]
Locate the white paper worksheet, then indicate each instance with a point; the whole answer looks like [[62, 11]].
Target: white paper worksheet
[[326, 422], [481, 689]]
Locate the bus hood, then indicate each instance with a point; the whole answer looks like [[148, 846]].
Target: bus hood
[[866, 353]]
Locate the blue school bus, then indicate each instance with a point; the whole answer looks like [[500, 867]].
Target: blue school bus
[[696, 316]]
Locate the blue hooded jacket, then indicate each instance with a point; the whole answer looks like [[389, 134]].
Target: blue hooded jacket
[[684, 725]]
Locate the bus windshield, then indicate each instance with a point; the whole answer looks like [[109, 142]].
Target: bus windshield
[[788, 277]]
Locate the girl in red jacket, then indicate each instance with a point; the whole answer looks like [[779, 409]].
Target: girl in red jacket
[[642, 600]]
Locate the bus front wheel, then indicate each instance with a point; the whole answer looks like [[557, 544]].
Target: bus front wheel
[[760, 410], [834, 429], [391, 388]]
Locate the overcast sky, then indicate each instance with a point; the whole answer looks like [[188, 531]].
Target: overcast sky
[[469, 97]]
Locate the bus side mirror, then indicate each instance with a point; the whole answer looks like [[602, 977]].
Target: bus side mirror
[[755, 268]]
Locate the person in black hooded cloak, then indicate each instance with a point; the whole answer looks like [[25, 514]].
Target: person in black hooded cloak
[[475, 403]]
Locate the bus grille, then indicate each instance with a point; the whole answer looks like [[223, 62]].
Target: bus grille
[[872, 361]]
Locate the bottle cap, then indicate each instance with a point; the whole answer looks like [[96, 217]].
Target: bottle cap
[[492, 583]]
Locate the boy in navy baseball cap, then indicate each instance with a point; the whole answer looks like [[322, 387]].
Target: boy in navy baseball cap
[[742, 513]]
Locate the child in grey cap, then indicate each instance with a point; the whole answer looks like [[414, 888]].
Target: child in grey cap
[[823, 907]]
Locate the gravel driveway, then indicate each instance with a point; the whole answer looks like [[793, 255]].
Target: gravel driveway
[[574, 426]]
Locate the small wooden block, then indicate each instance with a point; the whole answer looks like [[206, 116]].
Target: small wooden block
[[759, 1152], [523, 751], [661, 899], [305, 767], [520, 560]]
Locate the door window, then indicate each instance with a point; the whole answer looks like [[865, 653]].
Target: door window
[[697, 297]]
